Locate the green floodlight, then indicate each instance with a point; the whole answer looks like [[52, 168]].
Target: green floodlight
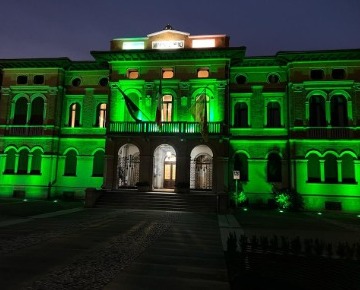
[[25, 200], [281, 211], [319, 213], [245, 209], [55, 200]]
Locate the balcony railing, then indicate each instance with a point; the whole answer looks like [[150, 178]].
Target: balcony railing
[[330, 133], [166, 127], [325, 133], [26, 130]]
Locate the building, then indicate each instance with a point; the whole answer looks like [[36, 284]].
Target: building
[[289, 120]]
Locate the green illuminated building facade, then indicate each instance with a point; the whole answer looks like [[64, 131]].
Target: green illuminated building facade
[[289, 120]]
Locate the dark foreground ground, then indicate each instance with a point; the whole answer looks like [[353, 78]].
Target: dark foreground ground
[[327, 255], [133, 249]]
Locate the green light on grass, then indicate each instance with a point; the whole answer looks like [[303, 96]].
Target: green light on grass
[[281, 211], [55, 200], [358, 215], [25, 200], [245, 209], [319, 213]]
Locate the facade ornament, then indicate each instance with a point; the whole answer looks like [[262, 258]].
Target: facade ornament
[[184, 86]]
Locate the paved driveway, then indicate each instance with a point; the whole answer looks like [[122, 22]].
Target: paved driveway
[[113, 249]]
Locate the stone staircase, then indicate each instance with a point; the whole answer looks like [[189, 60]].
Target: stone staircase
[[191, 202]]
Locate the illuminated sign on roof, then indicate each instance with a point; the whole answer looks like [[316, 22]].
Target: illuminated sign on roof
[[173, 44]]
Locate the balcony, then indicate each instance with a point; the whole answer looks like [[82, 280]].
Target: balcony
[[324, 133], [27, 130], [166, 127]]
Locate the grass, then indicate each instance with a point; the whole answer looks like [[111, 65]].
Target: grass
[[19, 208]]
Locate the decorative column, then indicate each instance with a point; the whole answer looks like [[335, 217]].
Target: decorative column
[[221, 100], [328, 110], [29, 165], [356, 170], [350, 113], [322, 170], [28, 113], [339, 171], [16, 165]]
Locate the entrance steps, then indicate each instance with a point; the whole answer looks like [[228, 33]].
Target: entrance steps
[[132, 199]]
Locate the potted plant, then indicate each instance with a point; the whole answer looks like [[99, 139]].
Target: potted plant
[[143, 186], [182, 187]]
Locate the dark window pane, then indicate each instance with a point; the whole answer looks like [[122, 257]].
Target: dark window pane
[[241, 79], [38, 79], [317, 74], [338, 74], [22, 80], [76, 82]]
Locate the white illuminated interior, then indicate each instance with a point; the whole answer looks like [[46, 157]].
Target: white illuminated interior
[[133, 45], [203, 43]]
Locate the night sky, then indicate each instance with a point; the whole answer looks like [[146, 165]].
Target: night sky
[[73, 28]]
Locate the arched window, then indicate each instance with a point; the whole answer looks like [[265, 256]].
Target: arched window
[[98, 164], [37, 111], [74, 115], [317, 116], [101, 115], [241, 164], [313, 168], [166, 108], [331, 171], [20, 114], [70, 163], [241, 115], [339, 117], [23, 161], [10, 161], [274, 173], [347, 169], [36, 162], [273, 115]]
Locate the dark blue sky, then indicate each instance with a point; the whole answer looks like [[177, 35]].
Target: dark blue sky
[[73, 28]]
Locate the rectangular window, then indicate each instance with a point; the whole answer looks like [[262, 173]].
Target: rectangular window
[[38, 79], [203, 73], [22, 80], [167, 73], [132, 74], [338, 74], [316, 74]]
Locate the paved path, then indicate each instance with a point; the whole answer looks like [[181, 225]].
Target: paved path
[[114, 249]]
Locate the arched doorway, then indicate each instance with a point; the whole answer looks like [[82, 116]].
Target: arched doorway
[[164, 167], [201, 168], [128, 165]]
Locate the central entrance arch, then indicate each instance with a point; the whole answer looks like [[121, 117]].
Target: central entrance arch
[[164, 170]]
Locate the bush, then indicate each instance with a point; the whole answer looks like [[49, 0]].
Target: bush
[[239, 198], [288, 199]]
